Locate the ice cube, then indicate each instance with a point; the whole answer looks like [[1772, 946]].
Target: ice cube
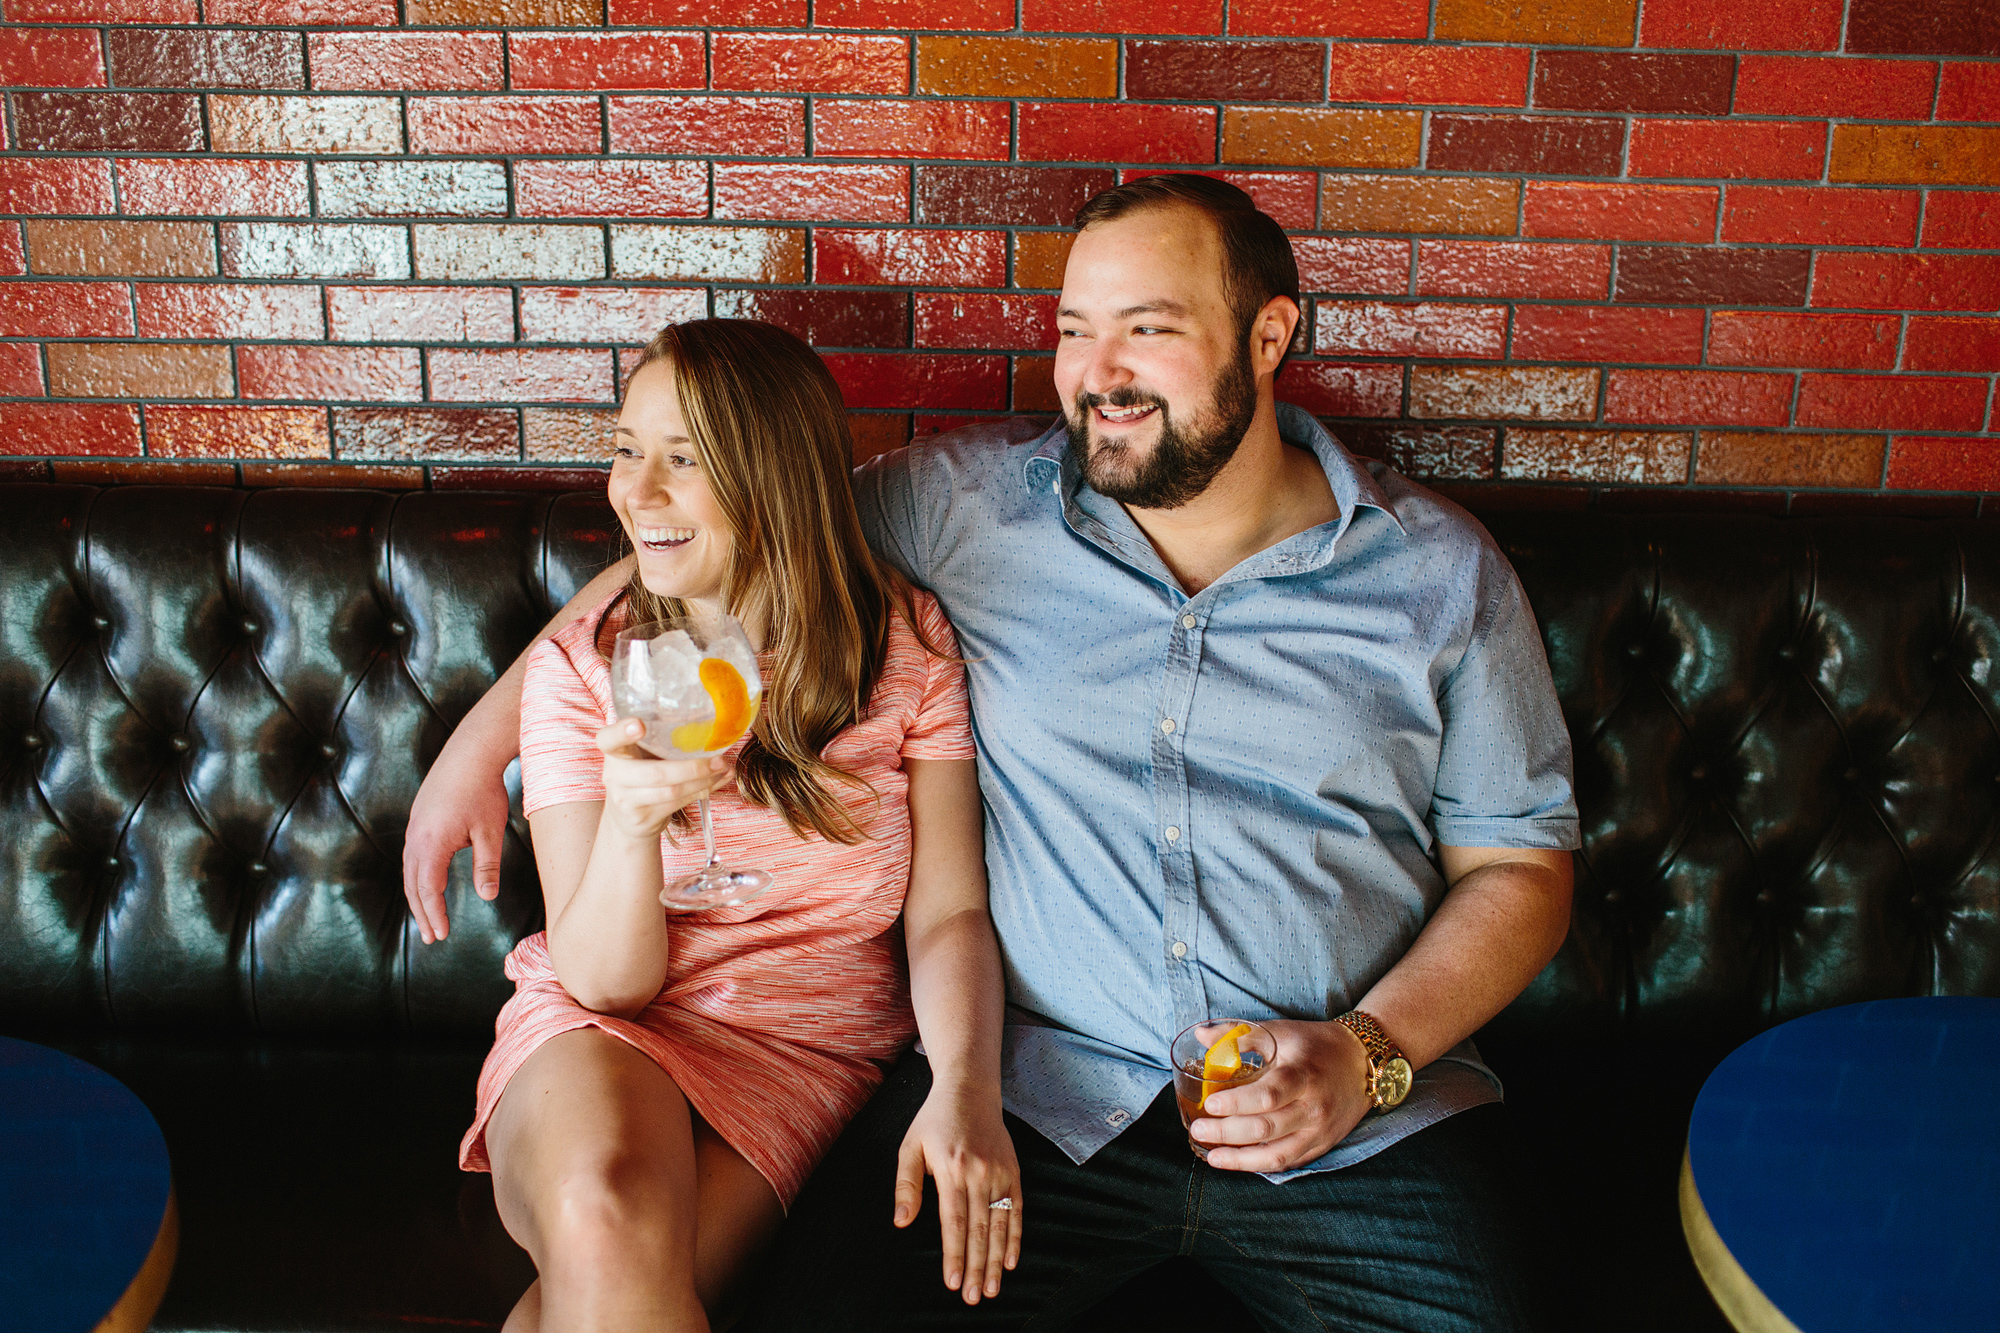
[[676, 665], [737, 653], [632, 678]]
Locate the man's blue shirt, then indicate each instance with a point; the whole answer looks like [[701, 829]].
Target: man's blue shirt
[[1227, 804]]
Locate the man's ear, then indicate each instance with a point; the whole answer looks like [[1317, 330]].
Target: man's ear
[[1271, 334]]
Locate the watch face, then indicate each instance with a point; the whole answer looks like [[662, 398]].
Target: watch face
[[1392, 1081]]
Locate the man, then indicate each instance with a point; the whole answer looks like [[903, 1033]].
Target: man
[[1264, 733]]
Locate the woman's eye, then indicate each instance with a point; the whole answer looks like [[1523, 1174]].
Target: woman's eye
[[623, 451], [681, 460]]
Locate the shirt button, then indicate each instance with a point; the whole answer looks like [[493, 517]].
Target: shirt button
[[1187, 622], [1180, 949], [1167, 725], [1173, 834]]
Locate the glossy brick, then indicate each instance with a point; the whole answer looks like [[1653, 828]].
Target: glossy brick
[[606, 314], [1461, 453], [411, 189], [1338, 389], [1549, 145], [759, 62], [485, 252], [1967, 91], [921, 129], [1924, 27], [237, 432], [90, 429], [1040, 257], [420, 314], [1290, 197], [73, 185], [241, 124], [1822, 86], [934, 380], [973, 321], [1741, 458], [212, 186], [700, 13], [824, 194], [404, 61], [505, 125], [331, 374], [1232, 71], [1015, 196], [1358, 267], [1907, 281], [50, 58], [20, 370], [1016, 67], [1729, 149], [508, 13], [1384, 328], [1121, 132], [1321, 138], [1436, 204], [1034, 385], [599, 189], [1633, 81], [1952, 344], [1544, 22], [910, 258], [205, 58], [564, 434], [718, 254], [1750, 338], [951, 15], [483, 433], [1916, 154], [1817, 215], [348, 13], [877, 433], [1620, 212], [1534, 393], [1330, 18], [1514, 268], [91, 122], [595, 61], [1723, 25], [13, 253], [521, 376], [314, 250], [229, 310], [825, 318], [1892, 402], [1617, 457], [65, 309], [719, 126], [1138, 17], [1699, 275], [1698, 398], [1920, 464], [122, 249], [1440, 75], [1607, 333], [139, 370]]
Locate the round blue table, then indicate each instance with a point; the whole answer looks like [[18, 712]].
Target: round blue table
[[1843, 1172], [87, 1221]]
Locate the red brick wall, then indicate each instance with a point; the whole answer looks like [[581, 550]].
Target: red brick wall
[[1689, 249]]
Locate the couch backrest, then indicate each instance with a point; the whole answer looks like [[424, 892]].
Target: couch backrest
[[216, 705]]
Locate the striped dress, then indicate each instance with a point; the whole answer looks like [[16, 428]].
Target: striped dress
[[776, 1016]]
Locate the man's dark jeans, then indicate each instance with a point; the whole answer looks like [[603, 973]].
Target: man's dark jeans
[[1420, 1238]]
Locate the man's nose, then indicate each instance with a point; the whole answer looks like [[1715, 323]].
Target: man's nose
[[1105, 369]]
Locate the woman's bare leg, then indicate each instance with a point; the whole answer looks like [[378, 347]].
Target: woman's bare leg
[[630, 1216]]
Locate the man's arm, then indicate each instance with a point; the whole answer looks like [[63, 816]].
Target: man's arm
[[463, 799], [1501, 921]]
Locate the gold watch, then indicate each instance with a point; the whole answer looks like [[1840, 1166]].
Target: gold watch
[[1389, 1074]]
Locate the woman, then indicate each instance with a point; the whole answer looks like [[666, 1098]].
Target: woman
[[661, 1085]]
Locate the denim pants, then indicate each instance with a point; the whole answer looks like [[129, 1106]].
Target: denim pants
[[1420, 1238]]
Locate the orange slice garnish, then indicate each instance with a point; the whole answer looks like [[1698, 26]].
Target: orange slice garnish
[[1223, 1061], [734, 710]]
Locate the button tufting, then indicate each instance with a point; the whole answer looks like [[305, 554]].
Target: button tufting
[[256, 867], [329, 750], [32, 741], [1851, 775], [1766, 897], [1635, 650], [100, 622], [110, 863], [1699, 773], [1939, 655], [1787, 653], [398, 628], [249, 625], [179, 742], [1612, 895], [1916, 900]]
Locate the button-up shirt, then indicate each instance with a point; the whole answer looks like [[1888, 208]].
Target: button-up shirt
[[1227, 804]]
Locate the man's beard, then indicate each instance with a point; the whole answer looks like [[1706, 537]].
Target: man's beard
[[1185, 459]]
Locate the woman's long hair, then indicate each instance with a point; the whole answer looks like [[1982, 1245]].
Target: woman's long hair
[[770, 432]]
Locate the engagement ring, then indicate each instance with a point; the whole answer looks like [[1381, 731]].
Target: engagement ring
[[1001, 1203]]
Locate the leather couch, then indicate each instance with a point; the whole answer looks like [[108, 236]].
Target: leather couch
[[216, 704]]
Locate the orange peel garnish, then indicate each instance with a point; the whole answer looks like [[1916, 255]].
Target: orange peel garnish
[[734, 710], [1223, 1062]]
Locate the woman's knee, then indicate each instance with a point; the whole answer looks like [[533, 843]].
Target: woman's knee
[[616, 1201]]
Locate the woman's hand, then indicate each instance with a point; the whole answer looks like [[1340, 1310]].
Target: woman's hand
[[960, 1138], [642, 793]]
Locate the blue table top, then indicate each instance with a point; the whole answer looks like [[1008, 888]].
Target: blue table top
[[1850, 1163], [83, 1189]]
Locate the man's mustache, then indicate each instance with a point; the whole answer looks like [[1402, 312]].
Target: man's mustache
[[1121, 397]]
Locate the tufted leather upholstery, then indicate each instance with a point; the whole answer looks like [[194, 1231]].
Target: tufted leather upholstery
[[215, 706]]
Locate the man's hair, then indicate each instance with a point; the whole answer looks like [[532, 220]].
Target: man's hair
[[1257, 259]]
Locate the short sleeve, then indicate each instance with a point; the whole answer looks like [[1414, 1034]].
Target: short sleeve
[[885, 496], [560, 719], [943, 725], [1504, 769]]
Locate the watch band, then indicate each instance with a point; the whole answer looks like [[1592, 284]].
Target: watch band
[[1381, 1050]]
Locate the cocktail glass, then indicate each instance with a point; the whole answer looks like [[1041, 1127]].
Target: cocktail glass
[[693, 682], [1214, 1054]]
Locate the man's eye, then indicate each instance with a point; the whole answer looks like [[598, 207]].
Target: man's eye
[[1071, 333]]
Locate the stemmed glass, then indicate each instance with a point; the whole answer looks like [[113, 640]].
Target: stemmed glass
[[692, 681]]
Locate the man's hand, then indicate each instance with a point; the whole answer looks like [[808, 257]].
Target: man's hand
[[457, 806], [960, 1138], [1314, 1095]]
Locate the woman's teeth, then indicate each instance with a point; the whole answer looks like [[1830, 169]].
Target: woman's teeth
[[664, 539], [1119, 416]]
